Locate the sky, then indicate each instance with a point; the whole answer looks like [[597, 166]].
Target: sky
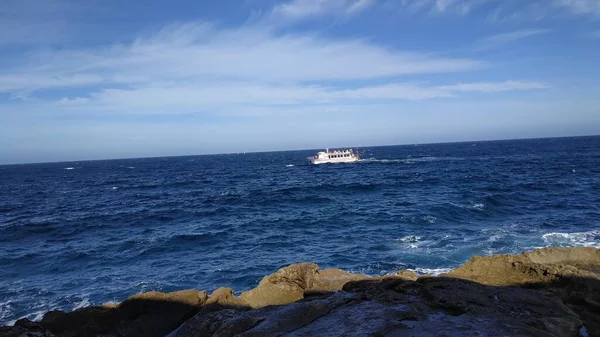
[[98, 79]]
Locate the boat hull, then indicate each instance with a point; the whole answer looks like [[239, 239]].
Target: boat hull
[[317, 161]]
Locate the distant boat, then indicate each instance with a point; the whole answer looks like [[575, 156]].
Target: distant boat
[[337, 156]]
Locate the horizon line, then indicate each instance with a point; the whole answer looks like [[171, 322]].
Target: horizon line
[[294, 150]]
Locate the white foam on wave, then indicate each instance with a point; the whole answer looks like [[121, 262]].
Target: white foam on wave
[[409, 238], [34, 316], [289, 165], [38, 315], [430, 219], [374, 160], [85, 302], [69, 168], [430, 271], [410, 160], [577, 239], [115, 188], [6, 310], [478, 207]]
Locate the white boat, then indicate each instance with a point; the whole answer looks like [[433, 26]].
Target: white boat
[[337, 156]]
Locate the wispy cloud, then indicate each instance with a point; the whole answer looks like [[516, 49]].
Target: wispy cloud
[[500, 39], [193, 51], [203, 68], [297, 10], [501, 10], [240, 98], [580, 6], [359, 6], [496, 87], [455, 7], [26, 83]]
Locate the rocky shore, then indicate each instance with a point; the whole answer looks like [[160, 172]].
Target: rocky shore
[[546, 292]]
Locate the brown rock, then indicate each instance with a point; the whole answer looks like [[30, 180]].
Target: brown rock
[[570, 274], [407, 274], [224, 298], [539, 267], [285, 286], [330, 280], [547, 292]]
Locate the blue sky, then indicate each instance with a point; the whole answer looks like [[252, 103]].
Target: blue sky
[[110, 79]]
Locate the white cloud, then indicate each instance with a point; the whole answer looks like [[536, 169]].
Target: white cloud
[[249, 98], [580, 6], [306, 9], [501, 10], [500, 39], [26, 83], [496, 87], [456, 7], [201, 68], [359, 6], [200, 52]]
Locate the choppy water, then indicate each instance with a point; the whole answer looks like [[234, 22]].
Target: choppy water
[[82, 233]]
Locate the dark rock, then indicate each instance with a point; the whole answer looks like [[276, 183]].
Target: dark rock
[[25, 328], [547, 292], [148, 314], [570, 275]]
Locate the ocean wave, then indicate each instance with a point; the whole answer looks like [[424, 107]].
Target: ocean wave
[[409, 238], [85, 302], [305, 194], [410, 160], [430, 271], [6, 310], [577, 239], [430, 219], [346, 216], [478, 206], [199, 238]]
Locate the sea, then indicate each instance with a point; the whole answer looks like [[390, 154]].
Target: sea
[[76, 234]]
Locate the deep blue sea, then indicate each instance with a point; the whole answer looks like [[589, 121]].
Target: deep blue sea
[[83, 233]]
